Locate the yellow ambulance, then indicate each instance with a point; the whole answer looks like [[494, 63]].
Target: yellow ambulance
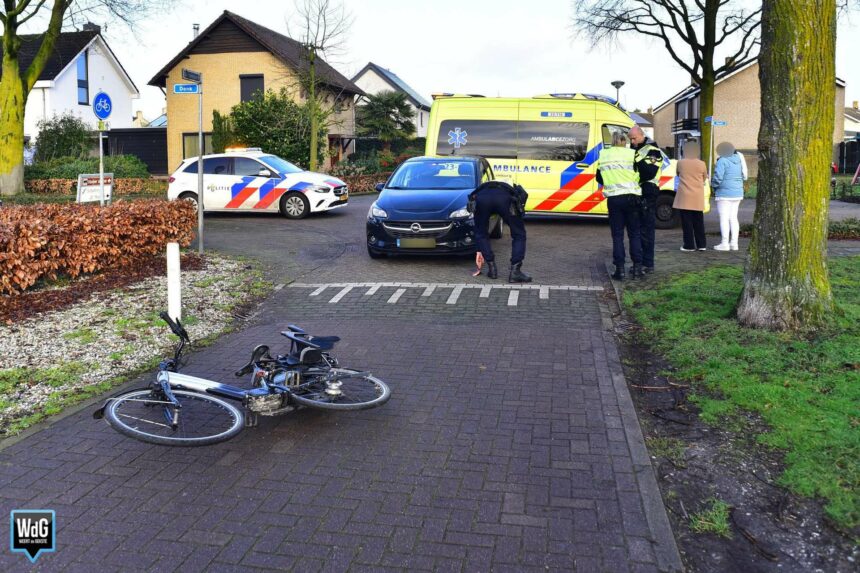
[[548, 144]]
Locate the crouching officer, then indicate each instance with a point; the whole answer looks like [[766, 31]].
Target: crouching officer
[[616, 171], [500, 198]]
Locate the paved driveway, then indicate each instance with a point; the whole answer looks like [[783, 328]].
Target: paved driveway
[[510, 443]]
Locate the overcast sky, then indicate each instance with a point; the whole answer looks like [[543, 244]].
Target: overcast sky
[[491, 47]]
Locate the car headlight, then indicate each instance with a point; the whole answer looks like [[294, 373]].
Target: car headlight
[[320, 189], [376, 212], [460, 214]]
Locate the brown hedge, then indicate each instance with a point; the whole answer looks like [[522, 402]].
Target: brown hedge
[[47, 241], [122, 186]]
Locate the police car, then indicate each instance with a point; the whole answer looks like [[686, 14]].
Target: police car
[[249, 179]]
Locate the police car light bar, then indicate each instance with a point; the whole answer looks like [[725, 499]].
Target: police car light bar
[[242, 149]]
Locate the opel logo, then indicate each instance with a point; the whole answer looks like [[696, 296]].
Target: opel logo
[[416, 227]]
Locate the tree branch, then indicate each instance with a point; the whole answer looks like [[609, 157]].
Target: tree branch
[[49, 39]]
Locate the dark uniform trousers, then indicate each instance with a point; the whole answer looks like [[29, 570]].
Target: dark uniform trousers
[[648, 222], [625, 213], [496, 201]]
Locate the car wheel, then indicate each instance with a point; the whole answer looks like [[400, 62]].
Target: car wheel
[[666, 216], [498, 230], [295, 206], [374, 254], [189, 196]]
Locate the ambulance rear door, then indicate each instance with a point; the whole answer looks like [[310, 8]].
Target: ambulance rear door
[[556, 156], [479, 126]]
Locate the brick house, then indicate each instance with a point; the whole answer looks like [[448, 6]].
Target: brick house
[[374, 79], [737, 100], [239, 58]]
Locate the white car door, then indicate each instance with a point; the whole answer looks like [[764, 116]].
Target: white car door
[[217, 182]]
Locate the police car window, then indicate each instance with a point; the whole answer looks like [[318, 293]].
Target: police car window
[[216, 166], [192, 168], [608, 131], [553, 141], [280, 165], [246, 167], [486, 138]]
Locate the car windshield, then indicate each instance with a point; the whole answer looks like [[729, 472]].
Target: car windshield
[[434, 175], [281, 166]]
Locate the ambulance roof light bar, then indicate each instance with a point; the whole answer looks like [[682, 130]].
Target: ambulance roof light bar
[[448, 94]]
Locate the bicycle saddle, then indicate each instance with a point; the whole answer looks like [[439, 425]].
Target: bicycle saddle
[[260, 352]]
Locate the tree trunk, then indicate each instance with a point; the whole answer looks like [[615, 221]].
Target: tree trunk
[[312, 95], [706, 108], [786, 284], [12, 101]]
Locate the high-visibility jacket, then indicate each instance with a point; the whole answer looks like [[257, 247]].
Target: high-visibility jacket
[[616, 166], [642, 154]]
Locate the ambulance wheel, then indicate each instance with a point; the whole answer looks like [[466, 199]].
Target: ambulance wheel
[[295, 206], [667, 217], [498, 230]]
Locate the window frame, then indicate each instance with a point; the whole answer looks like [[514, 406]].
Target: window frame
[[207, 137], [251, 95], [83, 84], [260, 164]]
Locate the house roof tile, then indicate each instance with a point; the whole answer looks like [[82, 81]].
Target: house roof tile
[[66, 49], [397, 83]]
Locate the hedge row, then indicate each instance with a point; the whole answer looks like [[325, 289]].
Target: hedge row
[[47, 241], [364, 183], [70, 167], [69, 186]]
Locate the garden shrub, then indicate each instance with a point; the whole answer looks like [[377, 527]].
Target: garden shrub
[[122, 166], [63, 136], [46, 241]]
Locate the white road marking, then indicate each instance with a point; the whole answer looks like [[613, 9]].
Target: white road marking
[[372, 290], [485, 291], [544, 292], [428, 290], [318, 291], [396, 296], [455, 294], [336, 298], [513, 297]]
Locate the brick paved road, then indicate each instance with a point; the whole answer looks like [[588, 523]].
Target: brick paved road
[[510, 443]]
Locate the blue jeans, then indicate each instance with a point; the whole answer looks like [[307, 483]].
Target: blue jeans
[[624, 213], [490, 202]]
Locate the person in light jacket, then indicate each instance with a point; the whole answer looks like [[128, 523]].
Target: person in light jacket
[[728, 185], [690, 197]]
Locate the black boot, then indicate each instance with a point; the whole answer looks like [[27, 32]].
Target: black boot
[[618, 275], [637, 272], [492, 271], [517, 275]]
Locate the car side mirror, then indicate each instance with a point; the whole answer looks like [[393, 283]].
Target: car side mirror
[[264, 173], [380, 187]]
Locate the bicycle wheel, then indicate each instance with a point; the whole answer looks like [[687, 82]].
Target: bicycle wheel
[[350, 390], [203, 419]]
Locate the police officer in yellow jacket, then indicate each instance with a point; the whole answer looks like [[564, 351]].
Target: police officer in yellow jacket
[[649, 164], [616, 171]]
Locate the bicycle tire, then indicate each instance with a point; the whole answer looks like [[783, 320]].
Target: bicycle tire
[[117, 422], [312, 394]]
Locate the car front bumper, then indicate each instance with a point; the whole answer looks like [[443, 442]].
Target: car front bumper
[[437, 237]]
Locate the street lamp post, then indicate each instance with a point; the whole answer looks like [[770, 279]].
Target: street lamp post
[[617, 85]]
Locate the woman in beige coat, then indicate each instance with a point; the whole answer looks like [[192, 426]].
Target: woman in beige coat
[[690, 197]]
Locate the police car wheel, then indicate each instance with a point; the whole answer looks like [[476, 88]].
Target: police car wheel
[[498, 230], [189, 196], [666, 216], [295, 206]]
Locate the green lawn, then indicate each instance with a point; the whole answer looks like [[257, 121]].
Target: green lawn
[[806, 389]]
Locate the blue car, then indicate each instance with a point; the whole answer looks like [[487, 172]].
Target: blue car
[[421, 209]]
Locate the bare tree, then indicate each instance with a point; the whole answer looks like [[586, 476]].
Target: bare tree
[[691, 31], [16, 83], [321, 26], [786, 285]]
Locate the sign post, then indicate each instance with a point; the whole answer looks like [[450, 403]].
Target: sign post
[[102, 106], [196, 87]]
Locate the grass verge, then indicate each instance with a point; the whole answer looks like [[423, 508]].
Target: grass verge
[[805, 388]]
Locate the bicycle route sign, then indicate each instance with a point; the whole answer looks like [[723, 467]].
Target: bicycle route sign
[[102, 106]]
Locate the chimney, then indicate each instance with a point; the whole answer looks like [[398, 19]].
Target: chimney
[[196, 28], [90, 27], [650, 109]]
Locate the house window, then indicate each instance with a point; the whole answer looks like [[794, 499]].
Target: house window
[[83, 80], [421, 117], [251, 86], [189, 145]]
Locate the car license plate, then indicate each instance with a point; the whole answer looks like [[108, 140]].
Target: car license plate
[[416, 243]]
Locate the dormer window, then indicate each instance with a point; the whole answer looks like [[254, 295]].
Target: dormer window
[[83, 80]]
